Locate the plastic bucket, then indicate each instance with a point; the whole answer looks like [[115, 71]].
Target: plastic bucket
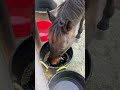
[[67, 80], [43, 27], [46, 48], [23, 66]]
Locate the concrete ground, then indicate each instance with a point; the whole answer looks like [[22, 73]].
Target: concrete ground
[[78, 60], [105, 53]]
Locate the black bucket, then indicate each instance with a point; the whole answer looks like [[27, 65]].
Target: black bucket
[[67, 80], [43, 5], [88, 66], [46, 48], [23, 65]]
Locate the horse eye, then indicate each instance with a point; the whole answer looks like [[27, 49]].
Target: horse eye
[[61, 23]]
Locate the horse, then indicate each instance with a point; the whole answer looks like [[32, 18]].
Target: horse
[[93, 24], [107, 14], [66, 27], [65, 21]]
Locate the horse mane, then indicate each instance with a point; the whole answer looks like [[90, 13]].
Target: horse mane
[[70, 10]]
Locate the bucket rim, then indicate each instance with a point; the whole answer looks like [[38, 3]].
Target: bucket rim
[[66, 71], [51, 67]]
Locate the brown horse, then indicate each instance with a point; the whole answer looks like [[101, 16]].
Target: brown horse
[[66, 26]]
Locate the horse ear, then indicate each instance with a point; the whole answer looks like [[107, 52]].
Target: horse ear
[[51, 16]]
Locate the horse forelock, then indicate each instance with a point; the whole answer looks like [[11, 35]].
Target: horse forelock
[[55, 33]]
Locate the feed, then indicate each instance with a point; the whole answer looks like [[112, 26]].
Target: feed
[[60, 60]]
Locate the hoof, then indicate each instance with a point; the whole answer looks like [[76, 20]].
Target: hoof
[[78, 36], [103, 24]]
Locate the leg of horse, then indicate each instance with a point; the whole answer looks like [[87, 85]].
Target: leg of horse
[[107, 14], [80, 29], [91, 21]]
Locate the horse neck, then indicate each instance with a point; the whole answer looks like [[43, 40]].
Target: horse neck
[[72, 10]]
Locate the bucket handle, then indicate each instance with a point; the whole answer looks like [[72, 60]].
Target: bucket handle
[[61, 68], [44, 65]]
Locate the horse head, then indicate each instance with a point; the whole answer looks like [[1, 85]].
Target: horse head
[[61, 36]]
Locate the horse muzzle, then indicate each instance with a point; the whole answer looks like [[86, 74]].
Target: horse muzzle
[[54, 56]]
